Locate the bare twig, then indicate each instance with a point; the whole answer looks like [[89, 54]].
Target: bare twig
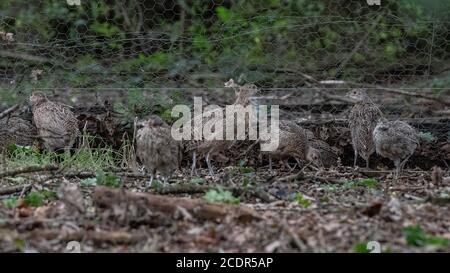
[[291, 176], [9, 111]]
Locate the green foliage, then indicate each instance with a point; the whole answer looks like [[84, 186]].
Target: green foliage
[[361, 248], [10, 202], [89, 182], [302, 201], [416, 236], [246, 183], [108, 180], [37, 198], [139, 105], [365, 182], [427, 136], [102, 179], [247, 171], [369, 182], [197, 180], [85, 157], [20, 244], [220, 195], [102, 43], [136, 105]]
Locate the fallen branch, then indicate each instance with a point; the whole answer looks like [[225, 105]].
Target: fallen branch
[[190, 188], [97, 236], [9, 111], [14, 189], [29, 169], [109, 198]]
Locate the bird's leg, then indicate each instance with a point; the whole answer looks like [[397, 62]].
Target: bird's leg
[[403, 163], [149, 185], [398, 165], [299, 164], [355, 158], [194, 162], [165, 181], [386, 189], [270, 163], [367, 163], [208, 163], [286, 163]]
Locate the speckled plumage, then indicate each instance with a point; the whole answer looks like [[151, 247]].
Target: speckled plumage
[[206, 148], [156, 149], [15, 130], [321, 154], [56, 124], [395, 140], [363, 118], [293, 142]]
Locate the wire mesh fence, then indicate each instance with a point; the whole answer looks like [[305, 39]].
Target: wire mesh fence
[[304, 55]]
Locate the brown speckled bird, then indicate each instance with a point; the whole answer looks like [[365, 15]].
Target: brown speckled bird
[[293, 143], [363, 118], [395, 140], [56, 124], [156, 149], [321, 155], [16, 130], [206, 148]]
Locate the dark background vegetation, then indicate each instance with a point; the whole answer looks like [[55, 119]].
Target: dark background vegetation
[[180, 43]]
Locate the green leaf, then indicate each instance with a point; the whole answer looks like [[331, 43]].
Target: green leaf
[[220, 195], [366, 182], [427, 136], [415, 236], [37, 198], [10, 203], [108, 180], [247, 171], [223, 13], [89, 182], [361, 248], [437, 241], [302, 201], [369, 182]]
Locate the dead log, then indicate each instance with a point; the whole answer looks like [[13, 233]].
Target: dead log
[[107, 198], [29, 169], [14, 189]]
